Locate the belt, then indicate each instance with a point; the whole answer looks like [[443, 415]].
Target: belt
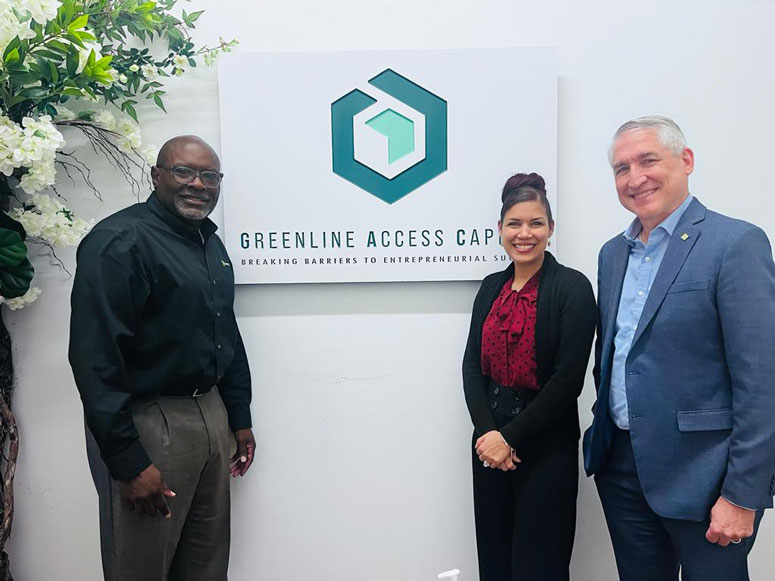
[[198, 392], [509, 401]]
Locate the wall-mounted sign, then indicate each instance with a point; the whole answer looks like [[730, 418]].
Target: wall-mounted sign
[[378, 166]]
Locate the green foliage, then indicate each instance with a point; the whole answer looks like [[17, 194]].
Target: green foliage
[[99, 50], [15, 269]]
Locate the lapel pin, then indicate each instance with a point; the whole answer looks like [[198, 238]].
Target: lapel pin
[[684, 236]]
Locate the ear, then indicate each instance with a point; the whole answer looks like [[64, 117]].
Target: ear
[[687, 157], [551, 228], [155, 176], [500, 229]]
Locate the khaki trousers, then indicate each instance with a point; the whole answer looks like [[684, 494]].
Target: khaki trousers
[[189, 441]]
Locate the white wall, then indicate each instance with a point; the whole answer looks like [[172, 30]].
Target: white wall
[[363, 469]]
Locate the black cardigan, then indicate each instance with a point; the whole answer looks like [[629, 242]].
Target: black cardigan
[[566, 315]]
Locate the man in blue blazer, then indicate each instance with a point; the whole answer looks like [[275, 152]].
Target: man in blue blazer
[[683, 441]]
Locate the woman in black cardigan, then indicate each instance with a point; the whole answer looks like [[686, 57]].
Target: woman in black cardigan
[[523, 369]]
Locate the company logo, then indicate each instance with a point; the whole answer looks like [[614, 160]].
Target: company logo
[[393, 144]]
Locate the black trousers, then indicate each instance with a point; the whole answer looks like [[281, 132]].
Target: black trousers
[[526, 518], [649, 547]]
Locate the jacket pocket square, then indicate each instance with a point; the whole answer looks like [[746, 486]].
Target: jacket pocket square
[[688, 286], [704, 420]]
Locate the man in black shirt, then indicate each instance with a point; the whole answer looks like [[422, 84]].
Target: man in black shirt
[[163, 375]]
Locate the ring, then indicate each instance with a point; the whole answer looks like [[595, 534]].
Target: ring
[[736, 542], [486, 464]]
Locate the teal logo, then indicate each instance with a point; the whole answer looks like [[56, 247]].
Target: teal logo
[[392, 142]]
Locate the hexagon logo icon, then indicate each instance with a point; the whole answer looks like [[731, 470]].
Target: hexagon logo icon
[[392, 144]]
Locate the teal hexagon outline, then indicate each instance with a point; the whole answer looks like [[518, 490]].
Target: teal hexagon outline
[[343, 143]]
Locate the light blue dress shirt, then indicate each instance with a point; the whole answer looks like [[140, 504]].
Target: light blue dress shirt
[[642, 268]]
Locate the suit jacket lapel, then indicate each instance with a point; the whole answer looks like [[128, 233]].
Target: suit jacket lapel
[[619, 267], [681, 242]]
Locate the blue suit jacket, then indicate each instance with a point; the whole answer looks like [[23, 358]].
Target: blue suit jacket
[[700, 374]]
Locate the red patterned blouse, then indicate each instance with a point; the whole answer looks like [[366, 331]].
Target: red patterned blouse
[[508, 337]]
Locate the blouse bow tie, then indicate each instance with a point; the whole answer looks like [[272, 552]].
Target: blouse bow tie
[[512, 314]]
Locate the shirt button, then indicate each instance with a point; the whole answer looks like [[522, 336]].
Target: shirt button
[[213, 281], [647, 259], [217, 314], [219, 345], [640, 293]]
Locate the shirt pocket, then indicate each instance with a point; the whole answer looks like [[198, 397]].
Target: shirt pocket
[[704, 420], [689, 286]]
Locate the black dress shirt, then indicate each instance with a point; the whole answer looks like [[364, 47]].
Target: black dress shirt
[[152, 314]]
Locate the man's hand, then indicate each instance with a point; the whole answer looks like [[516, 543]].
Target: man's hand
[[145, 493], [729, 523], [492, 449], [243, 457]]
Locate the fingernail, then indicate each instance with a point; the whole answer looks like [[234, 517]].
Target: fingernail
[[172, 493], [243, 458], [168, 515]]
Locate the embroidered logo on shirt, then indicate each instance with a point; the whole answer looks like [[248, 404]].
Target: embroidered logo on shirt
[[224, 263]]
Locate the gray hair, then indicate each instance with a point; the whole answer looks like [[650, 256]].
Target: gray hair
[[668, 133]]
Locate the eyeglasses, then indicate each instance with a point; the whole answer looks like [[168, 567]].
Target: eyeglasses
[[186, 175]]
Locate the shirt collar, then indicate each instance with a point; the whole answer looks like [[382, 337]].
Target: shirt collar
[[668, 224], [207, 227]]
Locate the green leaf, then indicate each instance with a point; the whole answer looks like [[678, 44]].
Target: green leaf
[[58, 46], [12, 57], [75, 38], [54, 72], [103, 62], [159, 102], [71, 63], [79, 22], [193, 17], [34, 93], [50, 55], [15, 280], [72, 91], [15, 100], [13, 45], [12, 248], [129, 110]]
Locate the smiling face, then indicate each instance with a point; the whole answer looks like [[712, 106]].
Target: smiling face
[[524, 231], [651, 180], [192, 202]]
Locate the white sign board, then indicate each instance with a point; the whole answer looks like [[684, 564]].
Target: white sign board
[[382, 165]]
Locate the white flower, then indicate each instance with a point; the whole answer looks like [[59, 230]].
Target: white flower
[[105, 119], [134, 68], [20, 302], [180, 61], [10, 27], [38, 177], [33, 147], [122, 79], [64, 114], [50, 220], [130, 135], [149, 153], [41, 11], [150, 72]]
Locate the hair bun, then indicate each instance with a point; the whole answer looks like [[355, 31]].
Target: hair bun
[[522, 180]]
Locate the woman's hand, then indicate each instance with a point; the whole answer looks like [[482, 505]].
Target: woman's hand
[[491, 448]]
